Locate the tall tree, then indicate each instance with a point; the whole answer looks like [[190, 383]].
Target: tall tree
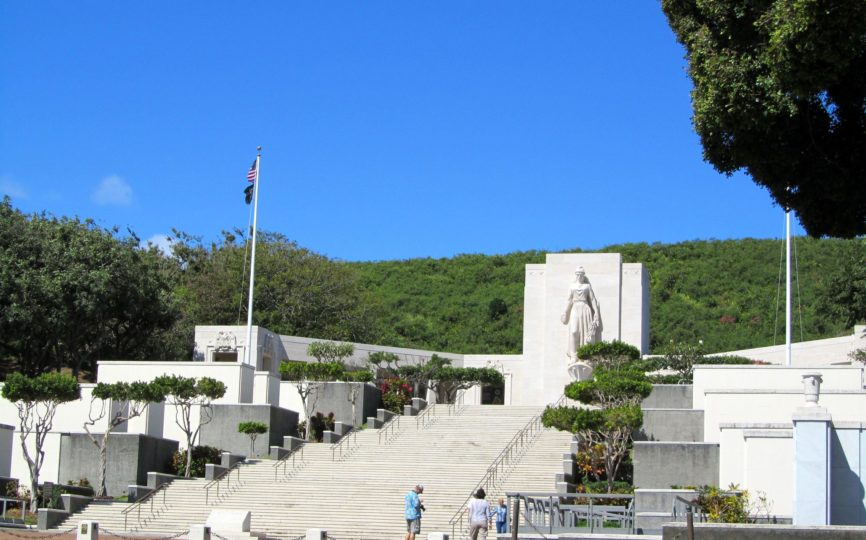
[[72, 292], [37, 399], [298, 292], [779, 90]]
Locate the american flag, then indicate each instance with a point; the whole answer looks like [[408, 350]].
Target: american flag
[[251, 174]]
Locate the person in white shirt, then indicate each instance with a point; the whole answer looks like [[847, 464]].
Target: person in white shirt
[[479, 516]]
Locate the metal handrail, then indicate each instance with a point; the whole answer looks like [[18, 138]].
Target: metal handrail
[[426, 417], [512, 452], [225, 475], [138, 504], [344, 440], [284, 461], [390, 428], [23, 503], [560, 511], [457, 406]]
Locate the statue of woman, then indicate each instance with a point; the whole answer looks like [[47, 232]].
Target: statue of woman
[[582, 314]]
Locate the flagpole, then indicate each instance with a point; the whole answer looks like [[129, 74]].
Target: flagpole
[[248, 350], [788, 287]]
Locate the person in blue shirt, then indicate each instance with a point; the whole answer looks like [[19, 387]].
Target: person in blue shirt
[[500, 513], [413, 512]]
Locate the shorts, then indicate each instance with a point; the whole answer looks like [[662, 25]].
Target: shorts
[[413, 525]]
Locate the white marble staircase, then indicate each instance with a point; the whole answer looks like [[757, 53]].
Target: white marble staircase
[[361, 496]]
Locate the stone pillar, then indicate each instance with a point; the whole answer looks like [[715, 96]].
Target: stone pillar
[[316, 534], [199, 532], [812, 458], [88, 530], [437, 536]]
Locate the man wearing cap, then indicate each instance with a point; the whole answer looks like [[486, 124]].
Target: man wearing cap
[[413, 512]]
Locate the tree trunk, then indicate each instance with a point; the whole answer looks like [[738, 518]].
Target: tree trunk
[[188, 457], [102, 491]]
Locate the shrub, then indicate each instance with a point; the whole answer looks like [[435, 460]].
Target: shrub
[[730, 506], [608, 354], [396, 393], [319, 423], [727, 360], [201, 455], [682, 357]]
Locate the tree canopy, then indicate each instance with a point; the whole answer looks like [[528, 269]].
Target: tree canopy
[[298, 292], [72, 292], [779, 91]]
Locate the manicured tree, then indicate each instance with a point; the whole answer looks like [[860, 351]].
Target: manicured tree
[[615, 396], [610, 354], [187, 392], [37, 399], [308, 378], [125, 401], [446, 380], [328, 351], [376, 359], [253, 430], [682, 357]]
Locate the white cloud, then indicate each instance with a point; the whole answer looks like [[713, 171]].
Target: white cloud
[[161, 241], [12, 188], [113, 190]]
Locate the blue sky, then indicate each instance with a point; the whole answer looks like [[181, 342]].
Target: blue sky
[[390, 130]]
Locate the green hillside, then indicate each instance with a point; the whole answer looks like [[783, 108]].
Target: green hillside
[[725, 293]]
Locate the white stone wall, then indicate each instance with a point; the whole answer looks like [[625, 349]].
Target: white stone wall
[[50, 466], [761, 406], [770, 378], [819, 352], [848, 489], [291, 399], [237, 377]]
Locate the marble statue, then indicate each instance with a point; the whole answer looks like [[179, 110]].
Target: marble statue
[[582, 314]]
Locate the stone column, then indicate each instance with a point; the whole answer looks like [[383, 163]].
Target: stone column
[[812, 458], [88, 530]]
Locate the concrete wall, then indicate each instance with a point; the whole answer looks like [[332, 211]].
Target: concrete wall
[[665, 464], [50, 466], [848, 474], [684, 425], [130, 458], [820, 352], [296, 349], [7, 436], [762, 406], [771, 378], [332, 397], [726, 531], [222, 431], [237, 377], [669, 396], [69, 416]]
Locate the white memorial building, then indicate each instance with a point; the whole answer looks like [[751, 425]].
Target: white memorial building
[[807, 457]]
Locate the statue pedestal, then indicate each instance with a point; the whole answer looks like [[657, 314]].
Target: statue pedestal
[[580, 371]]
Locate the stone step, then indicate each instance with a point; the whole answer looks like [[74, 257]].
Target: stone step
[[449, 457]]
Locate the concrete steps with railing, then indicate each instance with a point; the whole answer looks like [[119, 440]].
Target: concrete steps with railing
[[361, 496]]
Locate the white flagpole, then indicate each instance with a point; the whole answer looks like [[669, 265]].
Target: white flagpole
[[787, 287], [248, 349]]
